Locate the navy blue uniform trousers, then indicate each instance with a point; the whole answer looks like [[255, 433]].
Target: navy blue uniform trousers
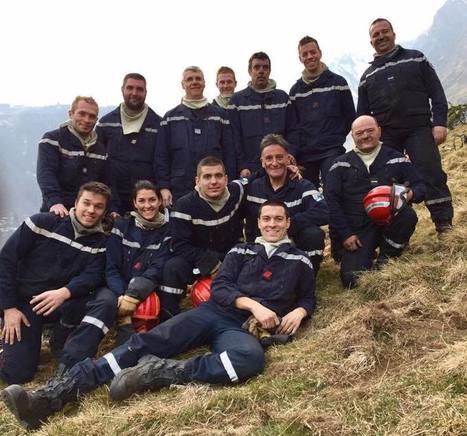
[[235, 354]]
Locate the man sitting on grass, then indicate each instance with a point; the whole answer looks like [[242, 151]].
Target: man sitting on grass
[[270, 280]]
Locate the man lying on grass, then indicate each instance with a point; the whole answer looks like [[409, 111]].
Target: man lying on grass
[[270, 280]]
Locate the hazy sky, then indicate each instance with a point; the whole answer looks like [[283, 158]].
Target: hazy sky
[[54, 50]]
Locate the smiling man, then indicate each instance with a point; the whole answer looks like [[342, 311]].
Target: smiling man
[[403, 92], [307, 208], [257, 110], [225, 83], [70, 156], [47, 266], [270, 280], [350, 178], [324, 111], [205, 224], [192, 130], [129, 134]]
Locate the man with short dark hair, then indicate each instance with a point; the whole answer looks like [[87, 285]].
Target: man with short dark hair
[[257, 110], [403, 92], [70, 156], [225, 83], [192, 130], [350, 178], [324, 111], [204, 225], [129, 133], [307, 208], [47, 266], [269, 280]]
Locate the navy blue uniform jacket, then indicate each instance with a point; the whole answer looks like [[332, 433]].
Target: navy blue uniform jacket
[[43, 254]]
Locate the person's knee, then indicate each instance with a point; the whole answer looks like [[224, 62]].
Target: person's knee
[[310, 238], [248, 361], [15, 373], [349, 279]]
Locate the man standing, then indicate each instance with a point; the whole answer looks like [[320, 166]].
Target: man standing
[[192, 130], [257, 110], [324, 112], [204, 225], [226, 83], [270, 280], [129, 133], [350, 178], [69, 157], [402, 91], [307, 208], [47, 261]]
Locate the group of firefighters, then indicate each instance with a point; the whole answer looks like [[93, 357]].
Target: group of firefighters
[[235, 192]]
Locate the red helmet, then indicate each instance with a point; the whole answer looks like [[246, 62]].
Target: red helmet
[[383, 202], [201, 290], [146, 314]]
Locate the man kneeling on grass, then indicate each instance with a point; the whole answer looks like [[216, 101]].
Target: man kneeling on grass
[[270, 280]]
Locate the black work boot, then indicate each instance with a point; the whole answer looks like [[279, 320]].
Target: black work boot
[[149, 374], [32, 408], [442, 228]]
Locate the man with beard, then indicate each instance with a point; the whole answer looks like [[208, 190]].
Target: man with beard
[[192, 130], [69, 157], [403, 92], [257, 110], [129, 134]]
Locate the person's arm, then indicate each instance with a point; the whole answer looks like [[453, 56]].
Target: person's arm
[[314, 210], [292, 128], [162, 157], [91, 278], [347, 107], [267, 318], [236, 131], [363, 105], [304, 279], [434, 88], [333, 193], [114, 262], [182, 230], [48, 166]]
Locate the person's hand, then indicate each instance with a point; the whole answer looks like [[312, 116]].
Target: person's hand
[[127, 306], [59, 209], [12, 319], [439, 134], [245, 173], [408, 195], [352, 243], [267, 318], [46, 302], [294, 172], [166, 197], [114, 215], [291, 322]]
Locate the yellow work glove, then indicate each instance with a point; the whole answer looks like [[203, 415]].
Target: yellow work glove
[[127, 306]]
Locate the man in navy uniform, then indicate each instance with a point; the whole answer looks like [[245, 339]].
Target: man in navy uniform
[[129, 134], [307, 208], [257, 110], [350, 178], [69, 157], [403, 92], [192, 130], [48, 267]]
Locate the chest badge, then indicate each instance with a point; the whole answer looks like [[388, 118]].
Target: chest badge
[[267, 275]]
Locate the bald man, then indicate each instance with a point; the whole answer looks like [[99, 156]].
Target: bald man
[[350, 178]]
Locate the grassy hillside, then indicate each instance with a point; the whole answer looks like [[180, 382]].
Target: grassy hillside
[[387, 358]]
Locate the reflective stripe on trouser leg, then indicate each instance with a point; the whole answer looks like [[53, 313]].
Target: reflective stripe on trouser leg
[[228, 367]]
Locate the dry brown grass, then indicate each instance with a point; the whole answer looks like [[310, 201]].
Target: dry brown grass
[[387, 358]]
